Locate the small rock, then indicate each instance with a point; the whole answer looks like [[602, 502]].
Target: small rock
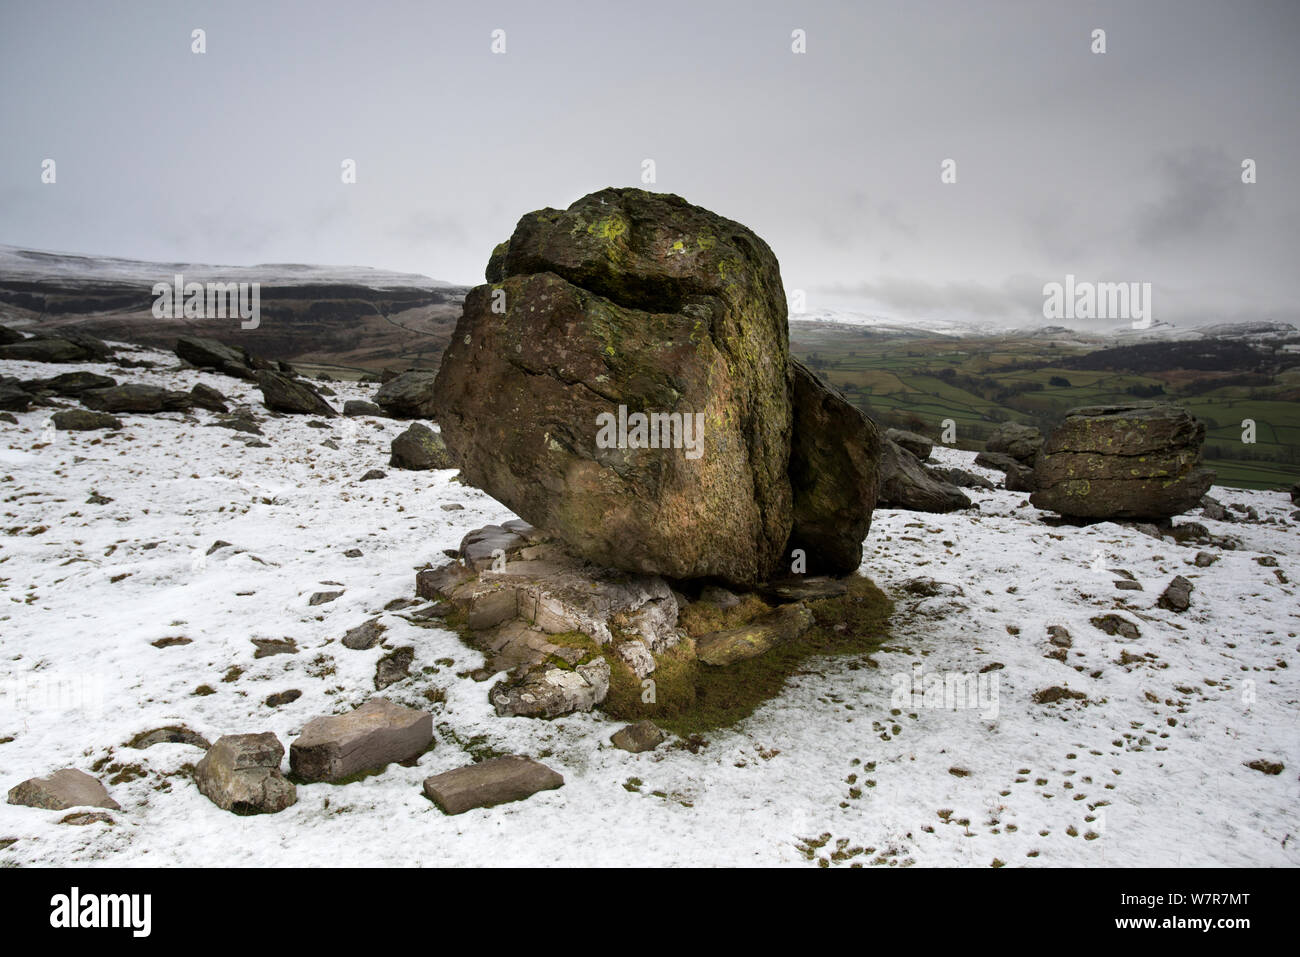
[[1177, 596], [365, 635], [1205, 559], [324, 597], [360, 407], [82, 818], [1266, 767], [642, 736], [374, 474], [283, 697], [274, 646], [1059, 636], [447, 507], [172, 734], [393, 667], [1115, 625], [61, 790], [352, 553], [420, 448], [1056, 693], [376, 734], [491, 782], [241, 773], [206, 397]]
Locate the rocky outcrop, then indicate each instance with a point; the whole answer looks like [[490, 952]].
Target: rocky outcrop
[[904, 483], [491, 782], [81, 420], [409, 396], [548, 691], [373, 736], [61, 790], [1123, 461], [630, 304], [834, 471], [70, 383], [133, 397], [216, 356], [241, 773], [283, 394], [420, 448], [67, 347]]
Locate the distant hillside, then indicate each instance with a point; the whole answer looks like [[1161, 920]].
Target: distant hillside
[[337, 317]]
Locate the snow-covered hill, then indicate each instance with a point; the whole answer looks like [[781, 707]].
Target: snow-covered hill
[[1148, 767]]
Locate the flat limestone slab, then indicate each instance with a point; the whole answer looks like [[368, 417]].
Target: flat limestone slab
[[61, 790], [497, 781], [374, 735]]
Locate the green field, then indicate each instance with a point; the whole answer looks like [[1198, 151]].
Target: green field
[[917, 383]]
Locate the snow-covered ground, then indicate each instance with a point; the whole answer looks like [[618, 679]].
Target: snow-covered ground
[[1148, 769]]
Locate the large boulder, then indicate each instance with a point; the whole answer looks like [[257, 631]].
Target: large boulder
[[133, 397], [217, 356], [624, 305], [284, 394], [71, 383], [1021, 442], [409, 396], [83, 420], [918, 445], [420, 448], [905, 484], [1123, 461], [51, 349], [13, 397], [834, 474]]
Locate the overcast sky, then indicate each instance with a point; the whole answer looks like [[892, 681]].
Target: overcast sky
[[1122, 166]]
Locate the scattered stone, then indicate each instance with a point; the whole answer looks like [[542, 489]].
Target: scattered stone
[[82, 818], [452, 507], [958, 477], [834, 473], [324, 597], [905, 484], [353, 553], [81, 420], [1123, 461], [217, 356], [217, 546], [1021, 442], [1205, 559], [6, 416], [206, 397], [489, 783], [354, 407], [1115, 625], [283, 697], [642, 736], [420, 448], [266, 647], [1177, 596], [96, 499], [146, 399], [1059, 636], [1126, 584], [365, 635], [1057, 693], [749, 641], [547, 691], [394, 667], [172, 642], [71, 383], [918, 445], [1265, 766], [373, 736], [241, 773], [330, 444], [62, 790], [408, 396], [172, 734], [283, 394], [1266, 561]]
